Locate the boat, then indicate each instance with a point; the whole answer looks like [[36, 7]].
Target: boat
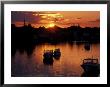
[[57, 53], [91, 67], [48, 54]]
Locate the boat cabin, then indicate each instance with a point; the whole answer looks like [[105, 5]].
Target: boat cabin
[[90, 60]]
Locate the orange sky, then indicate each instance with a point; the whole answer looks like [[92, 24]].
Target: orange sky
[[59, 18]]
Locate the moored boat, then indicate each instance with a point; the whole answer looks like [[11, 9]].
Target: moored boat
[[57, 53], [48, 54], [91, 67]]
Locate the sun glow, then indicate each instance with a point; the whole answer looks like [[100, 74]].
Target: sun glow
[[51, 25]]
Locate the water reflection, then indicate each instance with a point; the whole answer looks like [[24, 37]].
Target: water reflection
[[29, 61], [57, 58], [48, 61]]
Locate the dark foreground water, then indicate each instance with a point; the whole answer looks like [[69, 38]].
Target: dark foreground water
[[72, 55]]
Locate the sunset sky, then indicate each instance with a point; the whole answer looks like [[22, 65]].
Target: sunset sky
[[59, 18]]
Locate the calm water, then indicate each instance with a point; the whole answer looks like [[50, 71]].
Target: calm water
[[67, 65]]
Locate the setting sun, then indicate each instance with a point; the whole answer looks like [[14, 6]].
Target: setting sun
[[51, 25]]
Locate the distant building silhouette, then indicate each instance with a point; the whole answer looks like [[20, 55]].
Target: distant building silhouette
[[27, 24], [24, 22]]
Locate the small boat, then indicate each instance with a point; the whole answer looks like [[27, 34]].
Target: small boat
[[48, 54], [87, 46], [91, 67], [57, 53]]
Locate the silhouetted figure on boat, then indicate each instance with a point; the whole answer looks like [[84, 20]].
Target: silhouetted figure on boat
[[91, 67]]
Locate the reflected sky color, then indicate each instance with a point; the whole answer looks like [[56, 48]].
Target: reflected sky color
[[69, 64]]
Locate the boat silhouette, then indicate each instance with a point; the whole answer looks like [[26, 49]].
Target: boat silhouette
[[50, 53], [56, 53], [91, 67]]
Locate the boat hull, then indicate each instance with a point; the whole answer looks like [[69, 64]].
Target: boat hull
[[91, 70]]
